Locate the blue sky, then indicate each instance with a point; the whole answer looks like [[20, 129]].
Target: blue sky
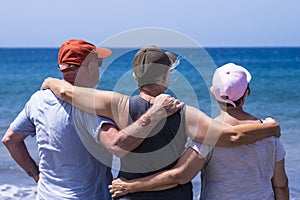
[[35, 23]]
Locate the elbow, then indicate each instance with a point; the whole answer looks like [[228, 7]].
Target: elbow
[[283, 185], [6, 140], [231, 137], [122, 145], [112, 140], [117, 151], [235, 140], [183, 181], [9, 143], [179, 178], [12, 140], [115, 148], [198, 138], [65, 92]]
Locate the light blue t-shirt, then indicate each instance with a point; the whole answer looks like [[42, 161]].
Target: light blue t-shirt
[[88, 127], [67, 169]]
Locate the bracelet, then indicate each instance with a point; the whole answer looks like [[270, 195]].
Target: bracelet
[[34, 171]]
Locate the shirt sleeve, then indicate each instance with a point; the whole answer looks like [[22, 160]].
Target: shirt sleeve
[[22, 123], [202, 149], [89, 123], [280, 151]]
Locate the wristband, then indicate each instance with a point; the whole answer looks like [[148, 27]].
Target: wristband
[[34, 171]]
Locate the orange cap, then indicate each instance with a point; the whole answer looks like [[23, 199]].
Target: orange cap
[[75, 52]]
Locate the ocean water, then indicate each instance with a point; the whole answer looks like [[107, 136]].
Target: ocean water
[[275, 92]]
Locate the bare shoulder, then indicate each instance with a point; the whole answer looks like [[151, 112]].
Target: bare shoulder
[[120, 109], [237, 118], [196, 120], [192, 112], [250, 119]]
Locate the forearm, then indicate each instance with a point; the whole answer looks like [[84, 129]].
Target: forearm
[[163, 181], [203, 129], [132, 136], [20, 154], [155, 182], [250, 133], [221, 134], [187, 167]]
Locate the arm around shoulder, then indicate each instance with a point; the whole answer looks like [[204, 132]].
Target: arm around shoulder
[[203, 129], [120, 142], [187, 167], [250, 133], [104, 103], [61, 88]]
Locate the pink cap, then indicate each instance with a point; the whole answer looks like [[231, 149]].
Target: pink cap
[[230, 82]]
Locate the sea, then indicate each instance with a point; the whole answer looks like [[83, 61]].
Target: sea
[[275, 92]]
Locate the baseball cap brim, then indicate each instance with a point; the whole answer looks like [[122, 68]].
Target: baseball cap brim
[[103, 52]]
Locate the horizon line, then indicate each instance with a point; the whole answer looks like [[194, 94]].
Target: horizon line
[[128, 47]]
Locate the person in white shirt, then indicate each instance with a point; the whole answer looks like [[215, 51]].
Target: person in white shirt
[[253, 171]]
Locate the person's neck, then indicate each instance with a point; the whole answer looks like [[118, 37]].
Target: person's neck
[[148, 97], [150, 92], [230, 115], [232, 111], [69, 80]]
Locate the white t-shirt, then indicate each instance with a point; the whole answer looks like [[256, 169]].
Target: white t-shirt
[[242, 172]]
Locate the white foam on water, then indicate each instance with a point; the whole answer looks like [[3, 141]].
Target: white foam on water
[[13, 192]]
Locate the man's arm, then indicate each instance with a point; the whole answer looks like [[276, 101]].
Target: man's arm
[[200, 127], [187, 167], [123, 141], [280, 182], [104, 103], [14, 142], [203, 129]]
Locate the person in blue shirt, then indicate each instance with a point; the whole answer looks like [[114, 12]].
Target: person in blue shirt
[[66, 169]]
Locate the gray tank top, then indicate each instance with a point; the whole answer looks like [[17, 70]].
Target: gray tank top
[[158, 152]]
